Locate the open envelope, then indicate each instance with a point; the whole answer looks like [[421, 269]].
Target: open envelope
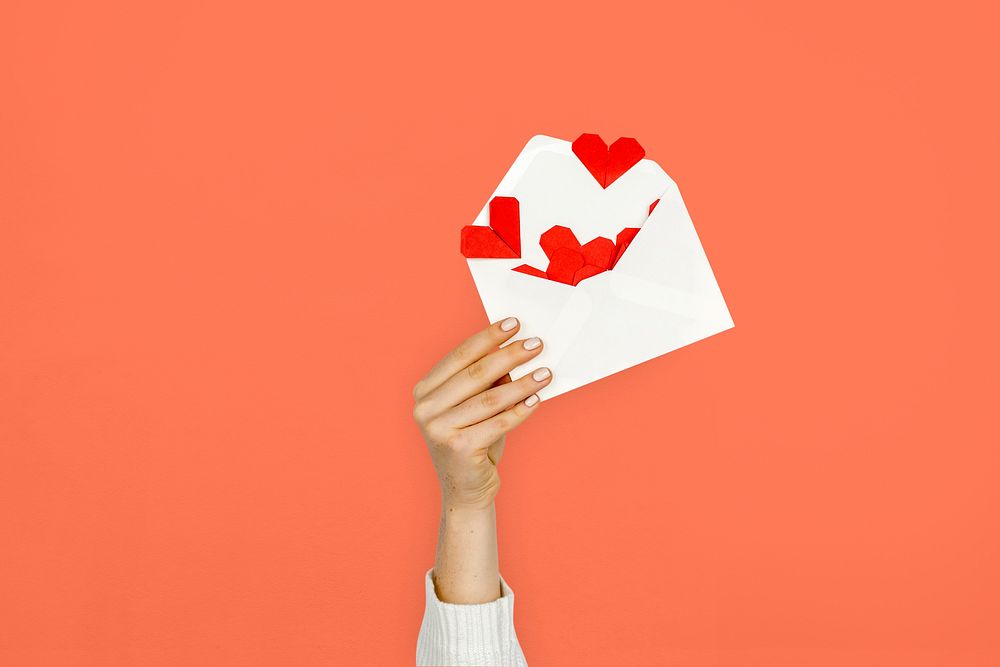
[[660, 294]]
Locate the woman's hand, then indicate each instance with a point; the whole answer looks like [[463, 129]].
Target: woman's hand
[[464, 407], [467, 403]]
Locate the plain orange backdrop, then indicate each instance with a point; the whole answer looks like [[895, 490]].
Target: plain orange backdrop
[[229, 246]]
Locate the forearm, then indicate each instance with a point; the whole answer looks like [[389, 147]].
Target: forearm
[[466, 569], [464, 407]]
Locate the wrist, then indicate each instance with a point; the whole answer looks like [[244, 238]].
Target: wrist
[[454, 511], [457, 505], [465, 568]]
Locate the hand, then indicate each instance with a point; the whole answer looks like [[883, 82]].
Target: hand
[[467, 403]]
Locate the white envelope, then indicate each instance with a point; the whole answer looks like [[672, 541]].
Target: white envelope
[[661, 295]]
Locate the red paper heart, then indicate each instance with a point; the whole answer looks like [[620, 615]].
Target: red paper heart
[[502, 239], [563, 265], [558, 237], [571, 263], [599, 252], [604, 163]]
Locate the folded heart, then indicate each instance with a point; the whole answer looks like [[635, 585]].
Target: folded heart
[[502, 239], [599, 252], [564, 264], [604, 163], [572, 263], [558, 237]]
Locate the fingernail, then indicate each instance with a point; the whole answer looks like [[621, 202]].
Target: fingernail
[[540, 374], [532, 343], [531, 400], [508, 324]]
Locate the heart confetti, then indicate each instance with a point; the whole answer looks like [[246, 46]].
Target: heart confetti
[[502, 239], [570, 262], [607, 164]]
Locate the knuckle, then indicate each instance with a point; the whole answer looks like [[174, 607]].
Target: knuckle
[[420, 412], [477, 371], [455, 440], [489, 399], [419, 389], [435, 431], [463, 352], [503, 423]]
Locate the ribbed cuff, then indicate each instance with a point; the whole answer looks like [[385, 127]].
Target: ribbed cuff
[[468, 634]]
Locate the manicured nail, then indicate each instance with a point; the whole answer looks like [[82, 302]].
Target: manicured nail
[[532, 343], [508, 324], [531, 400], [540, 374]]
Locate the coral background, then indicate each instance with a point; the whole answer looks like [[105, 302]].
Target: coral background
[[229, 247]]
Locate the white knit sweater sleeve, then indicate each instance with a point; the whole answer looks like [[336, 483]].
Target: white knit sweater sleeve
[[468, 634]]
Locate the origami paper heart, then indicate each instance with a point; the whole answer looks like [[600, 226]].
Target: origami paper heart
[[599, 252], [572, 263], [558, 237], [604, 163], [564, 264], [502, 239]]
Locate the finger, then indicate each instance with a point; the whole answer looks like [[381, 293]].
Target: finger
[[499, 425], [496, 400], [481, 374], [471, 350]]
